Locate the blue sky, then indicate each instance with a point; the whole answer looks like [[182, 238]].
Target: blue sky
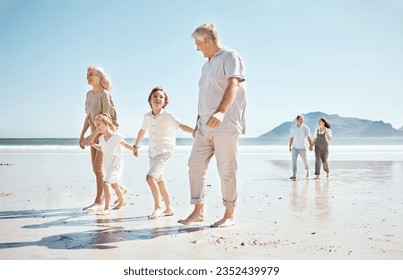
[[340, 57]]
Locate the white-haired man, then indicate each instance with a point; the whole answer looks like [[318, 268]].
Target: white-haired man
[[220, 121]]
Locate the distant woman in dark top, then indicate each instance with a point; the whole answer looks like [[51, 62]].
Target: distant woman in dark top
[[322, 137]]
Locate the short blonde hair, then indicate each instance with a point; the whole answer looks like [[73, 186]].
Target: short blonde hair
[[208, 30], [105, 118]]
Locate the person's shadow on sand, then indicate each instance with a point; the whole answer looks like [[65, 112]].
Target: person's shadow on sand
[[68, 217], [102, 239], [108, 229]]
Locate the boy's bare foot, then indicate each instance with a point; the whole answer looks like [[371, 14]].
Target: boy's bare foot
[[94, 207], [224, 222], [155, 214], [195, 217], [120, 205]]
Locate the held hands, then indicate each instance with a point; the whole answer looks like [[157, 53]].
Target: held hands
[[135, 151], [215, 120], [89, 141]]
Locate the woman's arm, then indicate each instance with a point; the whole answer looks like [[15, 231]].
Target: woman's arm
[[86, 125], [327, 135]]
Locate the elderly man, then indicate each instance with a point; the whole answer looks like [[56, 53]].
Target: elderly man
[[220, 121]]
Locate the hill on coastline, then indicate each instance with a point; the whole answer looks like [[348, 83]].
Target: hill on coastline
[[341, 126]]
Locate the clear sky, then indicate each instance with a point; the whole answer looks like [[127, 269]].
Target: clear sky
[[338, 56]]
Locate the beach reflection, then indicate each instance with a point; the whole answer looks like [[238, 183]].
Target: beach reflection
[[303, 200], [299, 196], [322, 198]]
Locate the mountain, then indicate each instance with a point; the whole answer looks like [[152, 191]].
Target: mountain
[[401, 128], [341, 126]]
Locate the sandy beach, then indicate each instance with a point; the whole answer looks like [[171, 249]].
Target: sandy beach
[[356, 215]]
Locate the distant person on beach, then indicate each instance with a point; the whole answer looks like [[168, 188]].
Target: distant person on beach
[[220, 121], [110, 144], [321, 141], [299, 135], [161, 126], [98, 101]]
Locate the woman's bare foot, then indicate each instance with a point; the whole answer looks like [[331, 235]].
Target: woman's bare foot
[[155, 214], [119, 206], [195, 217]]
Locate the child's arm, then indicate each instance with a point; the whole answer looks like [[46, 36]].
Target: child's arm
[[186, 128], [127, 146], [136, 146]]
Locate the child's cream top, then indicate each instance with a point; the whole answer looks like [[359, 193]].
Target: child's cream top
[[161, 132]]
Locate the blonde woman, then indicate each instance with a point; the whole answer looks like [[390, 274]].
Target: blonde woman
[[98, 101]]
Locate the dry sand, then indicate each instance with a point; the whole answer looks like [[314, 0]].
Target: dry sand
[[357, 214]]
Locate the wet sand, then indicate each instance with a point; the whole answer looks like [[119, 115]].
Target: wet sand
[[356, 215]]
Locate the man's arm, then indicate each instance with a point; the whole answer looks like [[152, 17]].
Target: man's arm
[[229, 96]]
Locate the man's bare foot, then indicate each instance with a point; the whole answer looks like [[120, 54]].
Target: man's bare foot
[[307, 175], [317, 177], [155, 214], [224, 222], [195, 217], [119, 206]]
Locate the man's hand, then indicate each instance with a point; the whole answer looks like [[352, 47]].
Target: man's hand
[[215, 120]]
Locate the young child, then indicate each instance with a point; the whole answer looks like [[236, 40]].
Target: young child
[[161, 126], [110, 144]]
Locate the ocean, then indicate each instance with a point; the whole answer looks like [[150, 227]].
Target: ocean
[[243, 141], [388, 148]]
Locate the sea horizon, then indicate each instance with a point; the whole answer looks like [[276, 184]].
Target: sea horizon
[[185, 141]]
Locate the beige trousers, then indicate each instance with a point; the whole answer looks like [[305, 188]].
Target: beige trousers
[[224, 146]]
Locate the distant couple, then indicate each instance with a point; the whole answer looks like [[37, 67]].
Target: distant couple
[[220, 121], [300, 134]]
